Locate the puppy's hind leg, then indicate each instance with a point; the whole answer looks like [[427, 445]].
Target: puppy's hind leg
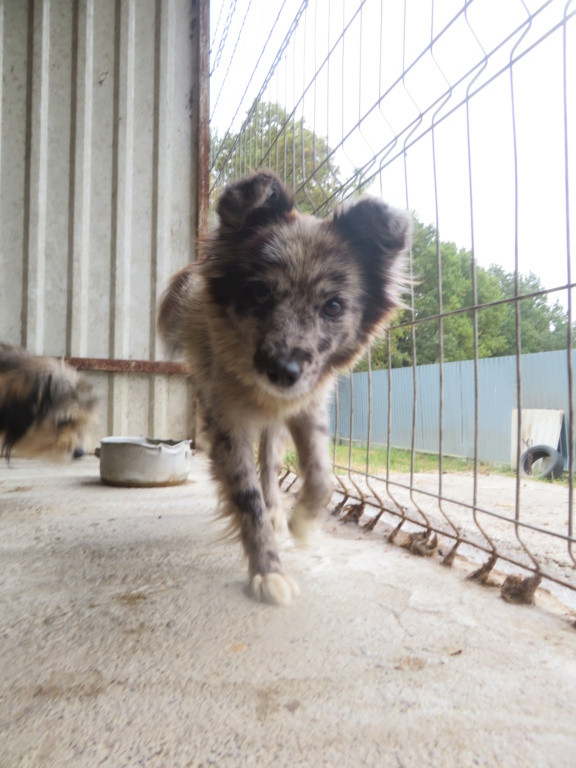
[[270, 454], [234, 467]]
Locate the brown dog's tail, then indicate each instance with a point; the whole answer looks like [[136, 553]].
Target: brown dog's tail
[[170, 311]]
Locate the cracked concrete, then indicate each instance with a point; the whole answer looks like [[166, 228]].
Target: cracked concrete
[[127, 638]]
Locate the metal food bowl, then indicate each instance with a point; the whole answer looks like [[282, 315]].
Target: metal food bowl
[[144, 463]]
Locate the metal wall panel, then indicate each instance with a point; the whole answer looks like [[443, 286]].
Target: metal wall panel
[[98, 168]]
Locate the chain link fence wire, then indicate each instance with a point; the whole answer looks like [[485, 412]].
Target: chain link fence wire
[[462, 113]]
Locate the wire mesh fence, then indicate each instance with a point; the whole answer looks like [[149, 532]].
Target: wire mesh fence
[[460, 112]]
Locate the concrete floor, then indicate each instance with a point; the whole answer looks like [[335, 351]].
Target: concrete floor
[[126, 638]]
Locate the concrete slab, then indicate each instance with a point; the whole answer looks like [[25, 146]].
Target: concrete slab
[[126, 638]]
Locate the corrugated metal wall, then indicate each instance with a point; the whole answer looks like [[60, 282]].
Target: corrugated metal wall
[[98, 174], [544, 385]]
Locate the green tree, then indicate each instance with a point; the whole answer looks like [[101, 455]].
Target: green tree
[[271, 138], [542, 327]]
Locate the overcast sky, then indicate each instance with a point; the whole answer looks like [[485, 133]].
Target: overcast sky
[[382, 41]]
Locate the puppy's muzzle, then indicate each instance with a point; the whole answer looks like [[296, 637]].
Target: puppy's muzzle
[[282, 372]]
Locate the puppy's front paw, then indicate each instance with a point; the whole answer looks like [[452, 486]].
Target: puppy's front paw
[[274, 588], [302, 526]]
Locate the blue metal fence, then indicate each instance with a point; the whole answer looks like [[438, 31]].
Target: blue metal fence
[[544, 385]]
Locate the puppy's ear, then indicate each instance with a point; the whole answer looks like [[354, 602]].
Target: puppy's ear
[[44, 396], [65, 396], [375, 227], [254, 201], [87, 400], [379, 236]]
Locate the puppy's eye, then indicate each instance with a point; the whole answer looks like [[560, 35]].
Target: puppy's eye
[[63, 422], [332, 308], [260, 294]]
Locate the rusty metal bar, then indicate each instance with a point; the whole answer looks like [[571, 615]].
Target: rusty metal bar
[[111, 365]]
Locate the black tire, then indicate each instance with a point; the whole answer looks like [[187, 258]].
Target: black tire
[[543, 462]]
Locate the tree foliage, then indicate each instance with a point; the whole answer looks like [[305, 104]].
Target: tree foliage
[[272, 138], [543, 327]]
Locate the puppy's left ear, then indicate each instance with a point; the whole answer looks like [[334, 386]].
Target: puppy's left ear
[[379, 236], [253, 201]]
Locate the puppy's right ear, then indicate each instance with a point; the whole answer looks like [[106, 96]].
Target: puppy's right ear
[[254, 201]]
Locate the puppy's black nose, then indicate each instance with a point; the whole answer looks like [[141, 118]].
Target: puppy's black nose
[[78, 452], [283, 373]]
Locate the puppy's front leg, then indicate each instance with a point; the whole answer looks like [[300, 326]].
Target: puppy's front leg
[[270, 455], [310, 433], [234, 466]]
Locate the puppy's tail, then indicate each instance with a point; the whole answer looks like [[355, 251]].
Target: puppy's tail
[[170, 311]]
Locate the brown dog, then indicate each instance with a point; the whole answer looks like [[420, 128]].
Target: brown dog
[[45, 406], [278, 303]]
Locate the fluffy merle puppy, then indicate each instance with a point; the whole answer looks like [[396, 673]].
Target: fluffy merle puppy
[[277, 304]]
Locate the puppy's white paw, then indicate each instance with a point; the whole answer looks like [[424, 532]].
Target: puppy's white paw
[[274, 588], [278, 519], [302, 526]]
